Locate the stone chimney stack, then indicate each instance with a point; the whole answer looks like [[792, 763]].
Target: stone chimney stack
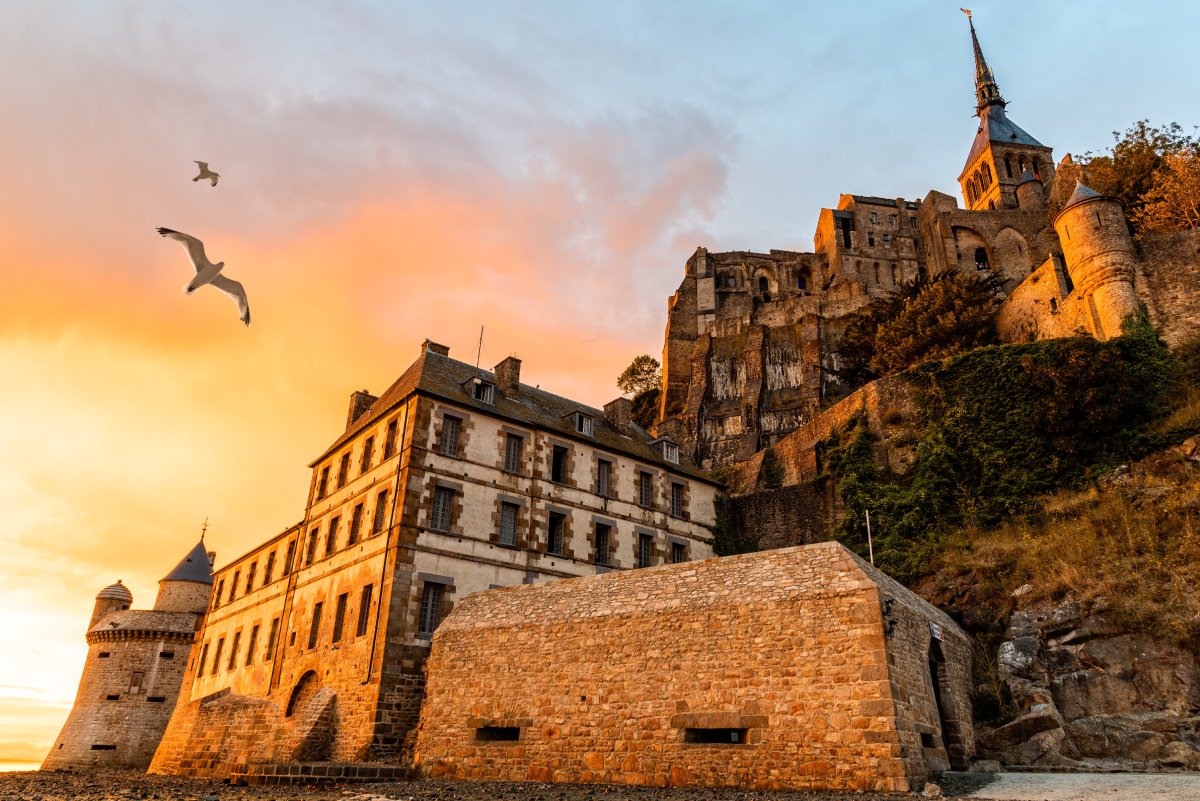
[[619, 414], [508, 375], [432, 347], [359, 403]]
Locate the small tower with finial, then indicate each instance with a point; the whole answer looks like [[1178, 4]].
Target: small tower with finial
[[134, 669]]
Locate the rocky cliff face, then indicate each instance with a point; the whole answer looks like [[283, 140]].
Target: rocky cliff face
[[1091, 695]]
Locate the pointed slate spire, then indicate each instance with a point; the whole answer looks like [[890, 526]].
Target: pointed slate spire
[[987, 93], [194, 567], [1082, 192]]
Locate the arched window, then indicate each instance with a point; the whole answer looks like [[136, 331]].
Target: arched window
[[801, 281], [970, 193], [1037, 168], [764, 287], [981, 259], [730, 281], [1021, 164], [1008, 166], [987, 176]]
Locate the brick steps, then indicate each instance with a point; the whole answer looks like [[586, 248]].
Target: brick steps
[[275, 773]]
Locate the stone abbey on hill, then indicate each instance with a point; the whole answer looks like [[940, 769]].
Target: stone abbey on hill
[[751, 347]]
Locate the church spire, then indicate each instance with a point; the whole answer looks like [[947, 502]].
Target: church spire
[[986, 90]]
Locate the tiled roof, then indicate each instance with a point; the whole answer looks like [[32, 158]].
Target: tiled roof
[[116, 592], [193, 567], [449, 379], [147, 620], [995, 126]]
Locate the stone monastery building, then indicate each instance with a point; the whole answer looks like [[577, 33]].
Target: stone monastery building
[[454, 480], [751, 344], [135, 665]]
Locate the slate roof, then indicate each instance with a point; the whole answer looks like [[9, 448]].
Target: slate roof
[[116, 592], [147, 620], [193, 567], [1082, 192], [442, 377], [995, 126]]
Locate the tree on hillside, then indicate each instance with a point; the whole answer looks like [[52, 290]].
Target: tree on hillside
[[1128, 170], [1173, 201], [923, 320], [642, 375]]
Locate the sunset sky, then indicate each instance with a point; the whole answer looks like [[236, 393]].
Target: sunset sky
[[395, 171]]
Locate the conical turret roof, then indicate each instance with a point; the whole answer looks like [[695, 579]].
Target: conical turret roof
[[116, 592], [1082, 192], [194, 567]]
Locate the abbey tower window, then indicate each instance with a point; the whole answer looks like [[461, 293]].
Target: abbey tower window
[[217, 656], [311, 554], [389, 441], [233, 651], [323, 483], [217, 595], [314, 630], [233, 585], [380, 513], [331, 535], [269, 570], [364, 610], [250, 571], [1008, 166], [343, 470], [272, 636], [203, 660], [355, 525], [368, 453], [339, 617], [251, 645], [291, 554]]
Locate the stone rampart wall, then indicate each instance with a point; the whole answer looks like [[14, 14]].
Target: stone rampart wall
[[1169, 283]]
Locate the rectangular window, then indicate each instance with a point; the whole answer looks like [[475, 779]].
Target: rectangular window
[[251, 645], [217, 594], [512, 453], [315, 629], [431, 608], [233, 650], [443, 501], [233, 585], [874, 218], [670, 452], [135, 681], [339, 617], [451, 426], [331, 535], [508, 523], [364, 610], [389, 442], [355, 525], [291, 554], [645, 552], [554, 534], [166, 654], [312, 545], [270, 569], [678, 553], [344, 470], [323, 483], [604, 478], [250, 576], [892, 220], [485, 392], [558, 465], [272, 635], [364, 463], [380, 513], [887, 240], [713, 736], [203, 660], [676, 499], [603, 537], [584, 424], [871, 239], [497, 734], [645, 489], [217, 655]]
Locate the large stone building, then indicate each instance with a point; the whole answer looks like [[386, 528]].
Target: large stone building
[[135, 665], [801, 668], [454, 480], [750, 352]]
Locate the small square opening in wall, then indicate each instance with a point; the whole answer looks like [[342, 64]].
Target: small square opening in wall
[[157, 699], [112, 698], [725, 736], [103, 655], [166, 654], [99, 747], [495, 734], [926, 740]]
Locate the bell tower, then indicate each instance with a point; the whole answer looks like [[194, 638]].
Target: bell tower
[[1002, 152]]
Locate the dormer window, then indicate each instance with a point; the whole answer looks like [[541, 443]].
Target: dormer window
[[584, 424], [670, 452], [484, 391]]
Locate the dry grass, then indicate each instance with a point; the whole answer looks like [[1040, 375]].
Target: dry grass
[[1131, 547]]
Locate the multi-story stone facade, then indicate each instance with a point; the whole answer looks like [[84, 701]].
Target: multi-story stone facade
[[135, 665], [801, 668], [454, 480], [751, 346]]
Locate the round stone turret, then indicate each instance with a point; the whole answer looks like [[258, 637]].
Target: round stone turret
[[187, 587], [113, 598], [1099, 256], [1030, 192]]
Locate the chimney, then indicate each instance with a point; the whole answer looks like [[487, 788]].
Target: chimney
[[619, 414], [360, 402], [212, 558], [508, 375], [432, 347]]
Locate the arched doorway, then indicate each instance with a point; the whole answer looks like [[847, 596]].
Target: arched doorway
[[305, 689]]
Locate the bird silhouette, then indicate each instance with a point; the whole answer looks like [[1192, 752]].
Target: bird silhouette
[[209, 273], [205, 172]]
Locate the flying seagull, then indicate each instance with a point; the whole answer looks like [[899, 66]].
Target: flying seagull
[[209, 273], [205, 172]]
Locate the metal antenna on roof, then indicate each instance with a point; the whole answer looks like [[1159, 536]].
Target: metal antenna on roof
[[203, 528], [479, 351]]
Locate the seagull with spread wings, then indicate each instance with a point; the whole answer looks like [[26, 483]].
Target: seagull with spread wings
[[209, 273], [205, 172]]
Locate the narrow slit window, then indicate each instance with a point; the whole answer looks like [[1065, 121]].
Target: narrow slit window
[[715, 736], [339, 617], [558, 465], [496, 734], [604, 478], [343, 470], [380, 513], [355, 525], [554, 534], [368, 453], [251, 645], [364, 610], [389, 441], [314, 630], [603, 539]]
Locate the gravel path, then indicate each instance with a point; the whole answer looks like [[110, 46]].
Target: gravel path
[[1091, 787]]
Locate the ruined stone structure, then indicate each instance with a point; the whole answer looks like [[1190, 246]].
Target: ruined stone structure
[[454, 480], [801, 668], [750, 352], [135, 665]]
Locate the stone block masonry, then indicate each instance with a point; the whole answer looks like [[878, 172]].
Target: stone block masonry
[[801, 668]]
